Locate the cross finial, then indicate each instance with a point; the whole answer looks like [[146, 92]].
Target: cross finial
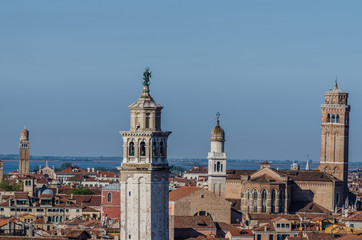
[[217, 118], [336, 81]]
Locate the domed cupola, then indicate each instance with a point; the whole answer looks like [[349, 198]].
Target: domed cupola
[[218, 134], [24, 134]]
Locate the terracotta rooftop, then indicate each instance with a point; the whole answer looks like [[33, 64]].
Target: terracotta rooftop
[[311, 207], [198, 169], [356, 216], [241, 232], [194, 222], [312, 175], [236, 173], [181, 193]]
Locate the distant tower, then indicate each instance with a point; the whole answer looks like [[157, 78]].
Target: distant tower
[[217, 161], [144, 172], [24, 145], [307, 167], [294, 166], [335, 135], [1, 171]]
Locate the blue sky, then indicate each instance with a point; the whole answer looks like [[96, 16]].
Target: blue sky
[[70, 69]]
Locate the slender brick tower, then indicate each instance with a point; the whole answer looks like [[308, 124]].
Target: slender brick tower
[[335, 136], [24, 145]]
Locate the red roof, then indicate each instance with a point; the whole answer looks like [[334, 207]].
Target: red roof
[[181, 193], [241, 232]]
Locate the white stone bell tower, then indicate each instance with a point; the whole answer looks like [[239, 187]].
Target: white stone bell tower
[[144, 172], [217, 161]]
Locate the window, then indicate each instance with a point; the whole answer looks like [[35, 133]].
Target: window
[[328, 117], [1, 209], [287, 225], [263, 201], [131, 149], [129, 193], [202, 196], [255, 202], [218, 167], [333, 118], [258, 237], [273, 201], [337, 118], [351, 225], [283, 225], [248, 197], [143, 149], [281, 201], [271, 237], [77, 210], [109, 197], [161, 149], [278, 225], [147, 120]]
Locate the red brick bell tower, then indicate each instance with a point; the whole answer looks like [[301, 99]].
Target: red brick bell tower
[[335, 135]]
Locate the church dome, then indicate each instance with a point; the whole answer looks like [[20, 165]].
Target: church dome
[[218, 134], [48, 192], [24, 134]]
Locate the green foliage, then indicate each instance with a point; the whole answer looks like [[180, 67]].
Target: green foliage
[[6, 186], [80, 191]]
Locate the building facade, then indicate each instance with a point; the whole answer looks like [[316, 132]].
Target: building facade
[[144, 172], [217, 161]]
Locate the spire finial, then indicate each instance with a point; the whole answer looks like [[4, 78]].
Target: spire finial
[[217, 118], [336, 81]]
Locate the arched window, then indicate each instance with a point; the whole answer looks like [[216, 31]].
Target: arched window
[[263, 201], [333, 118], [281, 201], [161, 149], [255, 200], [218, 167], [131, 149], [215, 167], [337, 199], [273, 195], [328, 117], [221, 167], [143, 149], [337, 118], [147, 120], [248, 199], [109, 197]]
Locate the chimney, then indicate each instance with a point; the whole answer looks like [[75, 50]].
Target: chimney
[[88, 169], [71, 196], [92, 169]]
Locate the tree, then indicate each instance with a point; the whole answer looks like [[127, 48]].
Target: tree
[[80, 191]]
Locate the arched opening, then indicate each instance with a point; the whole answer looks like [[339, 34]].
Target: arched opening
[[109, 197], [143, 149], [281, 201], [333, 118], [214, 167], [263, 201], [161, 149], [203, 213], [248, 199], [131, 149], [328, 118], [337, 118], [218, 167], [147, 120], [255, 200], [273, 195], [337, 199], [221, 167]]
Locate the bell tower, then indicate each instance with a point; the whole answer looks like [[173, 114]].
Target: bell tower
[[144, 171], [24, 145], [335, 135], [217, 160]]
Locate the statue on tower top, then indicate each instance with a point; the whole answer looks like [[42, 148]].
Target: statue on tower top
[[146, 77]]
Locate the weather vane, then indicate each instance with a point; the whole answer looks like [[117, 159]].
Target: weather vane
[[146, 77], [217, 117]]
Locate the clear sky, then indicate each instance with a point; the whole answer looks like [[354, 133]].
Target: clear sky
[[70, 69]]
